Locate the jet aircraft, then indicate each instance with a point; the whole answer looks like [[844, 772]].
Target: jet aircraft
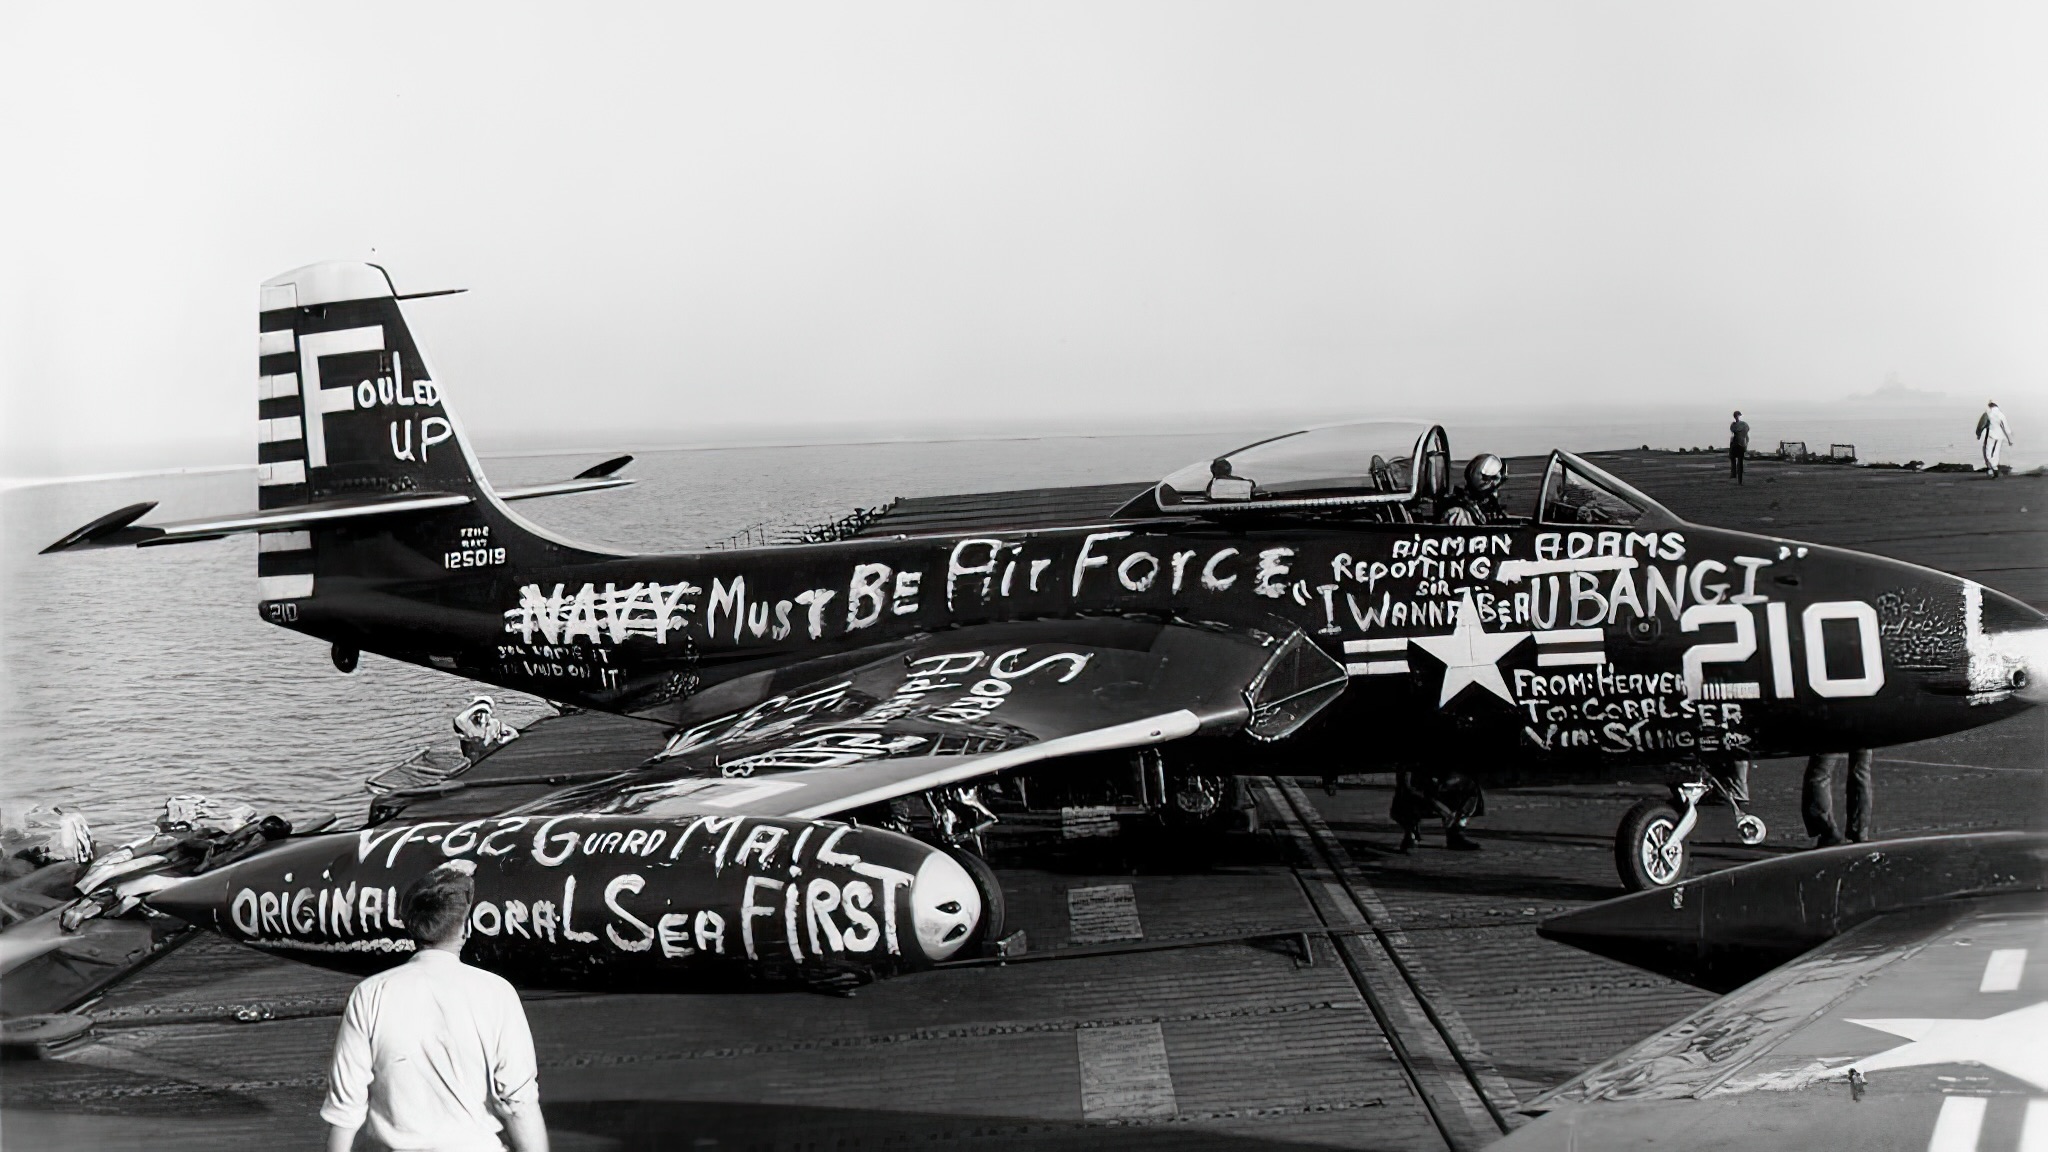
[[1307, 600], [1882, 995]]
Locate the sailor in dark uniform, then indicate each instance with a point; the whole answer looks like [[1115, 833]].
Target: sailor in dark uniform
[[1452, 797]]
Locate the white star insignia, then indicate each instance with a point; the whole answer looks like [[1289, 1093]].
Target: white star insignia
[[1470, 654], [2010, 1042]]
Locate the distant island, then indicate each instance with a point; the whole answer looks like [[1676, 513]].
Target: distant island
[[1895, 392]]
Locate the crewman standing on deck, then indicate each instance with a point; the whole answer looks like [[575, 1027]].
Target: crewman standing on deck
[[1738, 447], [1451, 797], [435, 1053], [1817, 801], [1994, 436]]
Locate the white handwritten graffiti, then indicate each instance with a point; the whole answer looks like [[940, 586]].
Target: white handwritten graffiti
[[652, 899], [830, 749], [771, 717], [650, 610]]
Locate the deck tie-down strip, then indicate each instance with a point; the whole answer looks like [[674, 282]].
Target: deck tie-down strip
[[1426, 1033]]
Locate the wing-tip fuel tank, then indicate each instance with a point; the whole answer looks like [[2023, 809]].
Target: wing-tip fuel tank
[[611, 903]]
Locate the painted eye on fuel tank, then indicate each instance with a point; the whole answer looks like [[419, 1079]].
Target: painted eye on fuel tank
[[945, 906]]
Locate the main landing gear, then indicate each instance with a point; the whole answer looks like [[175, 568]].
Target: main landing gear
[[958, 817], [1650, 846]]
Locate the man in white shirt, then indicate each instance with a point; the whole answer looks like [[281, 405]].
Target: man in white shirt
[[435, 1054], [1995, 436]]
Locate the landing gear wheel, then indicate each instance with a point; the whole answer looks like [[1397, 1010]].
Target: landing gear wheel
[[991, 929], [1643, 852], [1750, 830]]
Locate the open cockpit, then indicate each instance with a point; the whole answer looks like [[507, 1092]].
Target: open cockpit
[[1386, 472], [1383, 472]]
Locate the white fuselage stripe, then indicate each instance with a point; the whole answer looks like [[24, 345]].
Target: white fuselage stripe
[[282, 472], [284, 587], [284, 541], [1567, 659], [1959, 1124], [2003, 970], [1571, 636], [1378, 644]]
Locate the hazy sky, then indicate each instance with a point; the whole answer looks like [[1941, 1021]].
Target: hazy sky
[[675, 220]]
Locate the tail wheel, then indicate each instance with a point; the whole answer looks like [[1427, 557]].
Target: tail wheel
[[1643, 851], [991, 928]]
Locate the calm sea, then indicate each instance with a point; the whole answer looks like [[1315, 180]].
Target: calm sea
[[130, 675]]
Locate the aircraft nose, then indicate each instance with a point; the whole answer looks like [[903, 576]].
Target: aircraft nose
[[2008, 646]]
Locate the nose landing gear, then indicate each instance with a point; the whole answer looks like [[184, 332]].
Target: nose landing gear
[[1650, 845], [1750, 829]]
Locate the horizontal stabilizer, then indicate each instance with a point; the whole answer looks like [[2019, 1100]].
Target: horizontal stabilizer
[[608, 468], [113, 522], [119, 530], [563, 488]]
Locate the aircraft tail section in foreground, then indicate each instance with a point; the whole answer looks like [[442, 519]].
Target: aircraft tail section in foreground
[[363, 472], [347, 409], [346, 403]]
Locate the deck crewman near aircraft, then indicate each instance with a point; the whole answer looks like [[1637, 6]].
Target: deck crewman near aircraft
[[1817, 801], [1451, 797], [435, 1053], [1994, 436], [1738, 447]]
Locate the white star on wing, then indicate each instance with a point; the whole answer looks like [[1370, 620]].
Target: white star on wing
[[1470, 654], [2011, 1042]]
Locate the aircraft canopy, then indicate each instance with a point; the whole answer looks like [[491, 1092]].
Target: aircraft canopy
[[1382, 462]]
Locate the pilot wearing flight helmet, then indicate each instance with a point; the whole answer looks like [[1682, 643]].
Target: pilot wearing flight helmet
[[1477, 500]]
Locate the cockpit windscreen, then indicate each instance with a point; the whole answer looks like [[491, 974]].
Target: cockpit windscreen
[[1343, 464]]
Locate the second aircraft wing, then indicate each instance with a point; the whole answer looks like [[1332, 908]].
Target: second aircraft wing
[[953, 707], [1917, 1023]]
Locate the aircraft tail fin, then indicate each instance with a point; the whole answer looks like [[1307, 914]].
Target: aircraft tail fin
[[363, 472], [346, 402]]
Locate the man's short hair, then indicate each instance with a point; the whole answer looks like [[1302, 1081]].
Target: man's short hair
[[437, 904]]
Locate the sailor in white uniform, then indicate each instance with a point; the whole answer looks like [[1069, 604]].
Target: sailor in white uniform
[[1994, 436]]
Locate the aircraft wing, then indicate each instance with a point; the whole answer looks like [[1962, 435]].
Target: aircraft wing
[[1917, 1024], [961, 705]]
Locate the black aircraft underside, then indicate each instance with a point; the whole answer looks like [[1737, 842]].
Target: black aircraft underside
[[1324, 598]]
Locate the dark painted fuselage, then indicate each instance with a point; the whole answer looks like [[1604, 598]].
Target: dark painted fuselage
[[1522, 650]]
